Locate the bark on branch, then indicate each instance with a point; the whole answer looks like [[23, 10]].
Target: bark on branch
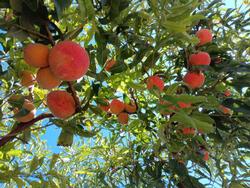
[[21, 127], [74, 95]]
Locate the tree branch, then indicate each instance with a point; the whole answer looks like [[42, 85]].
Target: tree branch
[[21, 127], [32, 32], [49, 35], [133, 97], [214, 85], [74, 95]]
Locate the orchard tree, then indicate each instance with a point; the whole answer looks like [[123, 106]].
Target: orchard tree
[[145, 93]]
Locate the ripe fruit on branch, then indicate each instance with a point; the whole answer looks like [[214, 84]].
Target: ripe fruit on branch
[[206, 156], [61, 104], [205, 36], [123, 118], [201, 58], [46, 79], [110, 64], [105, 107], [27, 79], [227, 93], [171, 107], [184, 104], [36, 55], [29, 106], [217, 60], [130, 108], [166, 107], [116, 106], [68, 61], [225, 110], [155, 81], [194, 80], [188, 130]]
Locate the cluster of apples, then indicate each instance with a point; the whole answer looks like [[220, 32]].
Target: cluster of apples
[[168, 107], [196, 79], [119, 108], [66, 61], [158, 83]]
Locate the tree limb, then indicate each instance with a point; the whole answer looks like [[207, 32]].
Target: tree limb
[[21, 127]]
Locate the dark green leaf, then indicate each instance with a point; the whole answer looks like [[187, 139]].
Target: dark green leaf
[[61, 5], [65, 138]]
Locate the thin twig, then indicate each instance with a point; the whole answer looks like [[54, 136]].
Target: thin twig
[[187, 58], [18, 138], [42, 127], [214, 85], [74, 95], [32, 32], [49, 35], [133, 97]]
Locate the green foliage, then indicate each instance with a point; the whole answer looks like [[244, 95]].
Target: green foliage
[[145, 38]]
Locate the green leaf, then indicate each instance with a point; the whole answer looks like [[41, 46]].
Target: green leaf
[[20, 183], [118, 68], [26, 135], [84, 172], [4, 4], [65, 138], [25, 22], [196, 121], [16, 5], [86, 8], [21, 113], [14, 153], [184, 119], [32, 4], [192, 99], [175, 146], [35, 184], [203, 117], [178, 168], [236, 185], [172, 89], [174, 26], [87, 134], [1, 155], [61, 5], [35, 163], [17, 33], [74, 33], [190, 19], [195, 183], [204, 126], [240, 145], [53, 161]]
